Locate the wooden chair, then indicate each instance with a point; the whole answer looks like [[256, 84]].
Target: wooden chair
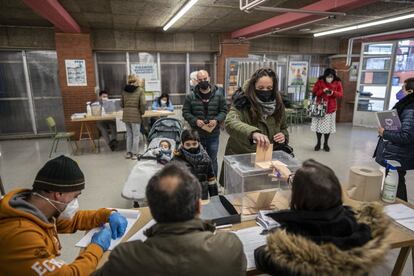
[[57, 136]]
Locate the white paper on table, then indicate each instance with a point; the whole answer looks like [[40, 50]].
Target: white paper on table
[[251, 239], [399, 211], [140, 234], [131, 215], [408, 223]]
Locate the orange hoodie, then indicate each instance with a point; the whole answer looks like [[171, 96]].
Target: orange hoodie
[[29, 245]]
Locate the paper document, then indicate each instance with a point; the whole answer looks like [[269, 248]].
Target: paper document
[[402, 214], [140, 234], [131, 216], [251, 239]]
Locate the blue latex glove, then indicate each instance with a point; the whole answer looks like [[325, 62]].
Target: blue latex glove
[[102, 238], [118, 225]]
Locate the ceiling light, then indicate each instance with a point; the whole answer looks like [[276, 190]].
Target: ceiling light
[[365, 25], [180, 13]]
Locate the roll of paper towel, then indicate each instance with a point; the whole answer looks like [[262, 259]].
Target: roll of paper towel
[[364, 183]]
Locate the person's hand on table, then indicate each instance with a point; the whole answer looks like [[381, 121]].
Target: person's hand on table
[[118, 224], [200, 123], [381, 131], [260, 139], [212, 123], [102, 238], [279, 138]]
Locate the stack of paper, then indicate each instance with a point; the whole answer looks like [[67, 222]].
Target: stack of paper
[[78, 116], [131, 216], [402, 214], [266, 222], [251, 239]]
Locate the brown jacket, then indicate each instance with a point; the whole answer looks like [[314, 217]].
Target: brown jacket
[[30, 246], [134, 104], [186, 248]]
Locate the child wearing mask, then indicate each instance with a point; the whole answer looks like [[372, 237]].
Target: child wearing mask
[[163, 152], [192, 153]]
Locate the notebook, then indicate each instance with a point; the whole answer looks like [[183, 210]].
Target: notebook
[[389, 120]]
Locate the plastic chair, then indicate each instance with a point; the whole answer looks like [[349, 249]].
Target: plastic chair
[[56, 136]]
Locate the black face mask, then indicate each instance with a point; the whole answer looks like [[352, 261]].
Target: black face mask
[[204, 84], [193, 150], [265, 95]]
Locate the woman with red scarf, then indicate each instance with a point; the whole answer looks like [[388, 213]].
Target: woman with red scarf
[[328, 88]]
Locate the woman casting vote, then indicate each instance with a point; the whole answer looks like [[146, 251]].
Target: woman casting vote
[[257, 115]]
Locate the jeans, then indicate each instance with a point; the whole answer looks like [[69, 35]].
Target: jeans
[[211, 145], [103, 126], [133, 132]]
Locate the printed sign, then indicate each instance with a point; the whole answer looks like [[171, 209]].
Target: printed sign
[[147, 71], [76, 72]]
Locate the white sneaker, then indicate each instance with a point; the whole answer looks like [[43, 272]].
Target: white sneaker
[[128, 155], [134, 157]]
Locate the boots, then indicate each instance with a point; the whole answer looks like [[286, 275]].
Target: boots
[[213, 189], [325, 144], [318, 145]]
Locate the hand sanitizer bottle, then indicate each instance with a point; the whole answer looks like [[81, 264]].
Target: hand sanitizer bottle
[[88, 109], [389, 189]]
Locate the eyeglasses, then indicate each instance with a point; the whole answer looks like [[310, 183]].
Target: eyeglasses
[[290, 180]]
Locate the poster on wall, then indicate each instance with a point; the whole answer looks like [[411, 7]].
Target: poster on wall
[[147, 71], [353, 71], [297, 79], [232, 71], [76, 72]]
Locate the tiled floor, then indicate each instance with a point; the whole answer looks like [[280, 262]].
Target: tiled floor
[[106, 172]]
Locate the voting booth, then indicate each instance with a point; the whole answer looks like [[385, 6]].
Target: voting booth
[[250, 187]]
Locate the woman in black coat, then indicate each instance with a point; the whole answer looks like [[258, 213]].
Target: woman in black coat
[[320, 236], [399, 145]]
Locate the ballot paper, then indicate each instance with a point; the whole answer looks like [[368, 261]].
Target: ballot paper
[[402, 214], [131, 216], [251, 239], [140, 234]]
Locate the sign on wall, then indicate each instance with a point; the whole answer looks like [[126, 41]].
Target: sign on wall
[[147, 71], [76, 72], [297, 79]]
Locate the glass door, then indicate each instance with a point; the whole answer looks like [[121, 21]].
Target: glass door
[[373, 88]]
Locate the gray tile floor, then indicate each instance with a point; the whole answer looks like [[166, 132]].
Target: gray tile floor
[[106, 172]]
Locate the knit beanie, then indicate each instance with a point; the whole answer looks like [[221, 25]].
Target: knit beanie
[[61, 174]]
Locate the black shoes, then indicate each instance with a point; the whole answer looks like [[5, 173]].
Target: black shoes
[[113, 144], [317, 147], [326, 148]]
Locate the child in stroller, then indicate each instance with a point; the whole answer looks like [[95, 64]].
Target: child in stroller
[[163, 153], [192, 153]]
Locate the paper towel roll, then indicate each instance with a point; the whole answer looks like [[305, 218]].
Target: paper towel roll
[[364, 183]]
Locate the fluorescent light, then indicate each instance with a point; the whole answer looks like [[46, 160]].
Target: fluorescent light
[[365, 25], [179, 14]]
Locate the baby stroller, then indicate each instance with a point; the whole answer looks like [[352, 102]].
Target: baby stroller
[[164, 129]]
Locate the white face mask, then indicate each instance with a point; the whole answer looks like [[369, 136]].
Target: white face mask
[[163, 102], [329, 80], [70, 210]]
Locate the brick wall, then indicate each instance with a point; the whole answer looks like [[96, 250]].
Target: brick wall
[[345, 112], [74, 98], [229, 48]]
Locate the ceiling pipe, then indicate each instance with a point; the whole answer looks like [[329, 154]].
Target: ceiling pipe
[[276, 9], [248, 6], [279, 30], [352, 39]]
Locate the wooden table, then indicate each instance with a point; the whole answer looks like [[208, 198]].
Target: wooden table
[[85, 132], [400, 237]]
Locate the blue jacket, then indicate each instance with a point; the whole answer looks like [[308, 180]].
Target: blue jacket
[[156, 105], [398, 145]]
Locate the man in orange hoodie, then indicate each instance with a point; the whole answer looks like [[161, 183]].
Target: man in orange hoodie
[[30, 221]]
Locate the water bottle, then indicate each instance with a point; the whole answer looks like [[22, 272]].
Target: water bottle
[[88, 109], [389, 189]]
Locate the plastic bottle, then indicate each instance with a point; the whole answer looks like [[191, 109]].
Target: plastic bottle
[[88, 109], [389, 189]]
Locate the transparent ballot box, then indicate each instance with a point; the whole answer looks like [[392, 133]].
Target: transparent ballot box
[[250, 188]]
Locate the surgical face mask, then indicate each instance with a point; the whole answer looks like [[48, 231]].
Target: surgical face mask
[[104, 98], [163, 102], [204, 84], [400, 94], [70, 210], [265, 95], [329, 79]]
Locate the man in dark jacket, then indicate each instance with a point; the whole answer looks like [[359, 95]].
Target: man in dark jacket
[[179, 243], [206, 107]]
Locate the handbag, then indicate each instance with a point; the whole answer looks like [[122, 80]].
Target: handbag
[[284, 147], [317, 110]]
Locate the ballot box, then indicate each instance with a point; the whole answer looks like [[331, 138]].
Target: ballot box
[[251, 188]]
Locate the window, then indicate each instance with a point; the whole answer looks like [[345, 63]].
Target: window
[[112, 72], [173, 76], [202, 62]]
